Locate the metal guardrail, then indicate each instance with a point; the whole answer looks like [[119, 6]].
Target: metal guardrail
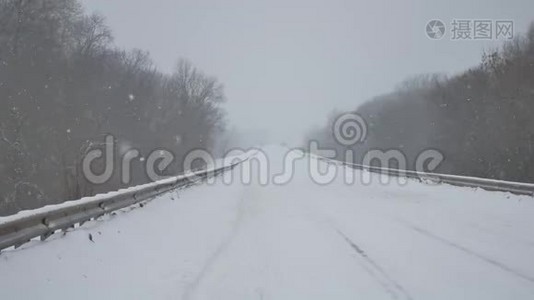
[[518, 188], [43, 224]]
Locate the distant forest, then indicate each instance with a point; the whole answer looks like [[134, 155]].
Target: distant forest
[[481, 120], [64, 86]]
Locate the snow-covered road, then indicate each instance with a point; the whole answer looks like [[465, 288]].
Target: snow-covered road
[[295, 241]]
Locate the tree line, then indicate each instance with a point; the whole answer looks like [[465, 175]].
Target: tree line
[[64, 86], [481, 120]]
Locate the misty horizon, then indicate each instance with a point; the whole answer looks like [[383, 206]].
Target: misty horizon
[[310, 57]]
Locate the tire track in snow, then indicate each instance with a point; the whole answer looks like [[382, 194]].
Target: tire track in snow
[[207, 267], [468, 251], [390, 285]]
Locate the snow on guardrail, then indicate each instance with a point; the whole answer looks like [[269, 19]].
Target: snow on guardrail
[[519, 188], [24, 226]]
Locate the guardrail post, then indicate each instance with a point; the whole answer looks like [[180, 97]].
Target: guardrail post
[[46, 235]]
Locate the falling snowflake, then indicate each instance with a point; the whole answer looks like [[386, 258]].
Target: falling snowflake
[[68, 130], [131, 97]]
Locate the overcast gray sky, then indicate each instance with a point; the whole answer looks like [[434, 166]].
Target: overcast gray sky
[[286, 63]]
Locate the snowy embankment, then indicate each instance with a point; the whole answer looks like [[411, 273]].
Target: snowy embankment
[[294, 241]]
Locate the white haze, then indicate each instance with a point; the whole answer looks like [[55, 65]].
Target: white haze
[[286, 64]]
